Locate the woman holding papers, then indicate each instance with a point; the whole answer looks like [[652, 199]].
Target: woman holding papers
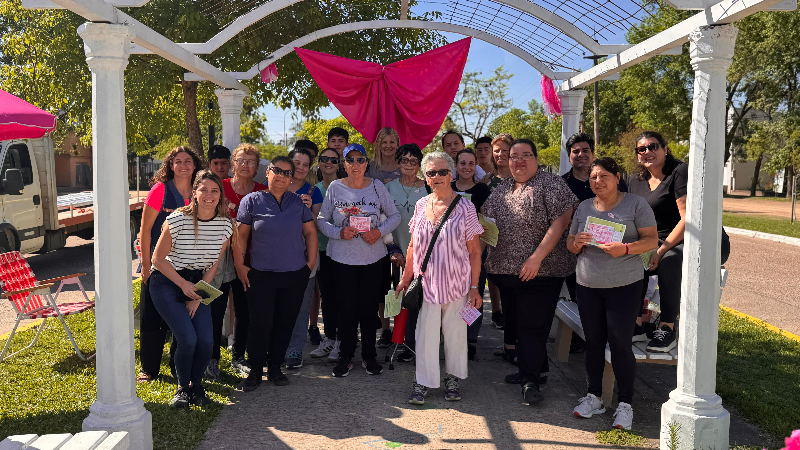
[[351, 218], [283, 251], [188, 251], [450, 280], [609, 233], [530, 261], [466, 162]]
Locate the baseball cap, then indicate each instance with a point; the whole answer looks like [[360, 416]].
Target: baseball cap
[[355, 147]]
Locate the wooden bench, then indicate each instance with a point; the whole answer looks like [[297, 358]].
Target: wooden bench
[[87, 440], [569, 320]]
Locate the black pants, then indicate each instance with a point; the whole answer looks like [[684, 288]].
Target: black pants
[[327, 290], [152, 334], [530, 307], [273, 301], [670, 276], [358, 291], [242, 319], [609, 315], [218, 308]]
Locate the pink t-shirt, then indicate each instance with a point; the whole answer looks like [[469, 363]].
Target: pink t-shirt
[[155, 198], [448, 275]]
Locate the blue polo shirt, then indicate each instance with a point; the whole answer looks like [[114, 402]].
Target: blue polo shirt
[[277, 243]]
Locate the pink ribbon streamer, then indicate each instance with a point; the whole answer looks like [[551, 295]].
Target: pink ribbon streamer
[[551, 100], [269, 74]]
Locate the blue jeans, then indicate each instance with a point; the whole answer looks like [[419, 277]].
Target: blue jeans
[[298, 340], [193, 334]]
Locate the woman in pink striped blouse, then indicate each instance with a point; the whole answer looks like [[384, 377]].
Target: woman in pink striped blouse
[[449, 282]]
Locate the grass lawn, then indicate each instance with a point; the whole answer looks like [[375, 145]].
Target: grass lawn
[[47, 389], [773, 226]]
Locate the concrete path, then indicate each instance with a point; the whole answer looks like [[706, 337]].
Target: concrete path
[[757, 206]]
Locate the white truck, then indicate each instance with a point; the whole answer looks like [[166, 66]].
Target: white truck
[[32, 216]]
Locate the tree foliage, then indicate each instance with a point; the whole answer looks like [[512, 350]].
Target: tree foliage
[[316, 131], [479, 100]]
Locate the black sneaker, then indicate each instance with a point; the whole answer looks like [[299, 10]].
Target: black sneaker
[[181, 398], [664, 340], [386, 339], [313, 335], [276, 376], [252, 382], [497, 319], [198, 396], [531, 394], [373, 366], [406, 356], [342, 368], [639, 334], [472, 350]]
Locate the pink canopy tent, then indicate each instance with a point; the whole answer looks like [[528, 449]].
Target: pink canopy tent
[[412, 96], [21, 120]]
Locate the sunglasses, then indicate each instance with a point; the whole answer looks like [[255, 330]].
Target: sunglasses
[[405, 160], [280, 172], [652, 147], [440, 173], [359, 160], [329, 159]]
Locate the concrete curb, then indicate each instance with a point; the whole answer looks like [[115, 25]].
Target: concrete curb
[[757, 321], [767, 236]]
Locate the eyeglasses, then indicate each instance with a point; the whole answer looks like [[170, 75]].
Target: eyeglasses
[[329, 159], [652, 147], [405, 161], [435, 173], [280, 172], [246, 162], [359, 160], [522, 157]]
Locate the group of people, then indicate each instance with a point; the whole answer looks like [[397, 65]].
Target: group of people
[[335, 230]]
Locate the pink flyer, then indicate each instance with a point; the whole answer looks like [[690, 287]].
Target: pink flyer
[[360, 223], [469, 313]]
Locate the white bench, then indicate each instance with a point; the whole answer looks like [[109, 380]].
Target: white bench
[[87, 440], [569, 320]]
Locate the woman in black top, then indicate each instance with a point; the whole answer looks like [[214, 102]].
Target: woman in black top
[[662, 181]]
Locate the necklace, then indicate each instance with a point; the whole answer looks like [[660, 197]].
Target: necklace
[[436, 217]]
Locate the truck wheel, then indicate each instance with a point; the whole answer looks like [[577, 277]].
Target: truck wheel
[[7, 241]]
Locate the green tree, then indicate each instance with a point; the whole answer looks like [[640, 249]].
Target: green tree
[[529, 124], [766, 140], [270, 150], [479, 100], [316, 131]]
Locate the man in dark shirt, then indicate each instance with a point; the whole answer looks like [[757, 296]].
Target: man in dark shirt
[[581, 154]]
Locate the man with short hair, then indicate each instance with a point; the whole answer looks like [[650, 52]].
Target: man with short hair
[[219, 161], [305, 144], [483, 152], [452, 143], [338, 139]]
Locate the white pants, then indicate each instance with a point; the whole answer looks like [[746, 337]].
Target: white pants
[[432, 318]]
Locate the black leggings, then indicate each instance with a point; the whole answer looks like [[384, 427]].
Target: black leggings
[[609, 315], [152, 334], [218, 308], [358, 291], [242, 319], [273, 301], [670, 275], [330, 309]]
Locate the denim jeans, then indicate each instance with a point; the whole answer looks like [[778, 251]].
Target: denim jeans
[[298, 340], [193, 334]]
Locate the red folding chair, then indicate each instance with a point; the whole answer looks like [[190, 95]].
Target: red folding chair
[[31, 299]]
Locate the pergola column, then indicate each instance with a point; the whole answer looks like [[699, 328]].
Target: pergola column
[[571, 110], [694, 405], [117, 407], [231, 102]]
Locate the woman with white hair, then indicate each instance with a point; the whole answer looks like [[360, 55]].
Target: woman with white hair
[[449, 281]]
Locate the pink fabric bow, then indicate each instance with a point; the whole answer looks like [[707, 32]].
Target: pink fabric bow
[[269, 74], [412, 96], [552, 102]]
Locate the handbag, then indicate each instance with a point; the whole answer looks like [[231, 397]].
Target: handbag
[[412, 300]]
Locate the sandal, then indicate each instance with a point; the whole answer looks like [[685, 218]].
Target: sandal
[[144, 378]]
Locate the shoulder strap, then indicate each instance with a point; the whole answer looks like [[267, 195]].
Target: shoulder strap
[[436, 232]]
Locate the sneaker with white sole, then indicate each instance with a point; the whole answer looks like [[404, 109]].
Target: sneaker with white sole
[[639, 334], [623, 417], [452, 393], [342, 368], [589, 406], [294, 360], [372, 366], [418, 394], [324, 349], [334, 354], [663, 340]]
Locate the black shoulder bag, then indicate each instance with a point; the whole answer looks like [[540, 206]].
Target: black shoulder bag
[[412, 300]]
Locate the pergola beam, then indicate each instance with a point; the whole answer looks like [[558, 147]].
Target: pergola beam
[[724, 12], [403, 9], [378, 24], [100, 11]]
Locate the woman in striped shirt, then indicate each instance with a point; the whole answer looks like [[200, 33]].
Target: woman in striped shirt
[[189, 249], [450, 280]]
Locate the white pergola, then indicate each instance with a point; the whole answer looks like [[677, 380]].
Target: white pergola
[[111, 36]]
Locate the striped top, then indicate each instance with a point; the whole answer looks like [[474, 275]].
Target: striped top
[[200, 253], [447, 277]]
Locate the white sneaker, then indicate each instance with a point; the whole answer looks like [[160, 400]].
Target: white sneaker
[[589, 406], [334, 355], [324, 348], [623, 418]]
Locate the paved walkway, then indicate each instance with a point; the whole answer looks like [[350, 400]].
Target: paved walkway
[[757, 206]]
